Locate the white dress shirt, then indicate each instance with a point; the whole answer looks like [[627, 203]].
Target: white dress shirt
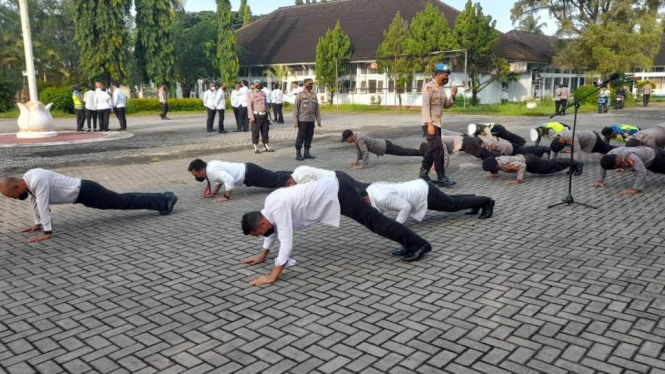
[[119, 98], [89, 99], [242, 96], [266, 91], [220, 99], [48, 187], [234, 98], [210, 99], [296, 207], [305, 174], [277, 96], [227, 173], [294, 92], [409, 198], [103, 100]]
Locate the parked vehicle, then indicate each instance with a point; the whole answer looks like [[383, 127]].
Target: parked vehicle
[[619, 101], [603, 104]]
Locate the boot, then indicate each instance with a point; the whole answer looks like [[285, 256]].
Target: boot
[[266, 148], [308, 155], [442, 180], [299, 156], [579, 168], [424, 174], [256, 149]]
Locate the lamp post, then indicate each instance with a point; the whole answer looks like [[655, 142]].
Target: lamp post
[[35, 120]]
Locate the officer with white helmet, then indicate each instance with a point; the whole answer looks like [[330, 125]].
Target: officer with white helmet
[[434, 101]]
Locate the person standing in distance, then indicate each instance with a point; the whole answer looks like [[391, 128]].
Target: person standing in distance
[[565, 97], [305, 111], [210, 102], [434, 101], [277, 100], [78, 107], [119, 105], [646, 93], [220, 101], [103, 103], [90, 109], [163, 101]]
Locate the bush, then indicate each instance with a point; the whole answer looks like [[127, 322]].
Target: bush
[[582, 91], [61, 97], [175, 105], [7, 96]]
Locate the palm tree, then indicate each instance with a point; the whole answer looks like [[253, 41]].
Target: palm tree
[[279, 73], [532, 24]]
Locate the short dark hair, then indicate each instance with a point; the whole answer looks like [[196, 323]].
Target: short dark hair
[[363, 193], [115, 84], [607, 131], [91, 87], [490, 164], [197, 165], [245, 83], [557, 144], [633, 143], [251, 222], [608, 162]]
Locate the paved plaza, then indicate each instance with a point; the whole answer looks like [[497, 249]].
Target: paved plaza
[[531, 290]]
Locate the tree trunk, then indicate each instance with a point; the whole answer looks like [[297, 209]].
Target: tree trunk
[[186, 89], [474, 95], [399, 98]]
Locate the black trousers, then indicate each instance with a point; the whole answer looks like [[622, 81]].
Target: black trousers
[[305, 134], [91, 115], [500, 132], [557, 104], [645, 99], [261, 126], [396, 150], [438, 200], [471, 146], [564, 103], [80, 118], [433, 154], [243, 119], [537, 165], [165, 110], [277, 112], [235, 115], [103, 118], [658, 164], [531, 150], [210, 122], [256, 176], [601, 146], [359, 186], [122, 118], [353, 206], [94, 195], [220, 121]]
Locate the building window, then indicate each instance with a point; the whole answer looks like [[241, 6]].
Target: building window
[[659, 69], [573, 84], [352, 89], [380, 89], [565, 80], [363, 87], [363, 68], [419, 84], [391, 86], [372, 86], [504, 86], [581, 81], [242, 72], [548, 84]]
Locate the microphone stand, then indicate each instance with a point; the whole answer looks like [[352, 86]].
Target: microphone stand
[[569, 199]]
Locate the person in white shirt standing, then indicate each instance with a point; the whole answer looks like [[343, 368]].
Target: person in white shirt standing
[[322, 201], [235, 104], [163, 101], [119, 104], [45, 187], [243, 118], [277, 100], [103, 103], [220, 105], [210, 102], [90, 112], [266, 91], [230, 174]]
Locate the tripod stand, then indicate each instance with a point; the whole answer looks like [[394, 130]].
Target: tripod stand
[[569, 199]]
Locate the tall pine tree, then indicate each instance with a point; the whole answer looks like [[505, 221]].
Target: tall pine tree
[[227, 49], [245, 13], [154, 52], [332, 54], [390, 53], [430, 33]]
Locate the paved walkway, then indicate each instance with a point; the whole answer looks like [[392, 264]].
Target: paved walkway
[[532, 290]]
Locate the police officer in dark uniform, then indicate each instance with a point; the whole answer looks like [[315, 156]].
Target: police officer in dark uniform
[[305, 111], [434, 101]]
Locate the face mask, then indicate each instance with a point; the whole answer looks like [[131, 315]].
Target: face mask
[[23, 195], [269, 232], [199, 179], [445, 80], [310, 86]]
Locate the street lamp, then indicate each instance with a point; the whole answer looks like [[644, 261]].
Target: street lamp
[[35, 120]]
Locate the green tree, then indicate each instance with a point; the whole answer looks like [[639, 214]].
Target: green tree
[[390, 53], [245, 12], [333, 51], [476, 34], [532, 24], [299, 2], [154, 51], [227, 49], [195, 49], [430, 33]]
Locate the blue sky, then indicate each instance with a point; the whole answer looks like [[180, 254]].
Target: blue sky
[[499, 10]]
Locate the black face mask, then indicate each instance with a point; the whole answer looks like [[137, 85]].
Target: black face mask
[[199, 179], [23, 195], [445, 80], [269, 232], [310, 86]]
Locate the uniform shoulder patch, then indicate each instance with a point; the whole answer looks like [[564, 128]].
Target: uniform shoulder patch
[[429, 88]]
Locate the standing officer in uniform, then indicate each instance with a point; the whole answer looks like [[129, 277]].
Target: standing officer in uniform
[[78, 107], [434, 101], [305, 111], [257, 110]]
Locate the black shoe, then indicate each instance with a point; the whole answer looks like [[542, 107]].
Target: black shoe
[[168, 193], [399, 252], [170, 204], [222, 132], [88, 130], [579, 168], [79, 129], [237, 130], [299, 157], [257, 151], [488, 210], [417, 255], [424, 174], [307, 155], [444, 182], [268, 149]]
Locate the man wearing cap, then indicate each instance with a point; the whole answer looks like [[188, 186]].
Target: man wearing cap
[[322, 201], [635, 159], [434, 101], [46, 188], [305, 111], [547, 131], [496, 130], [257, 110], [521, 164], [230, 174], [618, 132], [653, 136], [415, 197], [365, 145], [585, 141], [306, 174], [507, 148]]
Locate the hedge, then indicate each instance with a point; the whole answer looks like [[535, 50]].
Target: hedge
[[61, 97]]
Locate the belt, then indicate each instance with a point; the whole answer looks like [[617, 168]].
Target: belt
[[260, 113]]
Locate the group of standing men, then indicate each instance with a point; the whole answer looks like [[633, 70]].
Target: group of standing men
[[96, 106]]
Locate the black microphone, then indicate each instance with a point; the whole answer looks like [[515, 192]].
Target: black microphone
[[608, 80]]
